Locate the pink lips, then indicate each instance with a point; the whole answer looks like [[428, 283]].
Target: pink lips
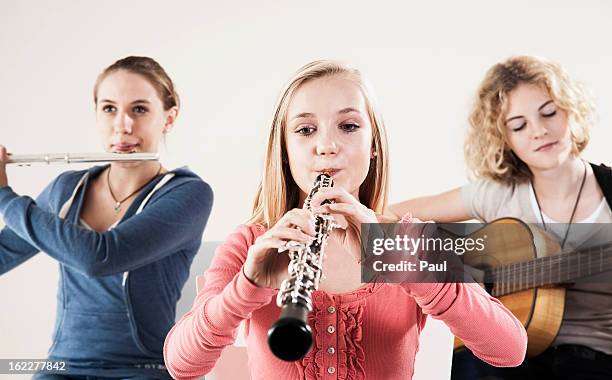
[[545, 147], [124, 148], [329, 171]]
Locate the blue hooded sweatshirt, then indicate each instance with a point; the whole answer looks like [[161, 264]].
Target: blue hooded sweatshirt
[[118, 289]]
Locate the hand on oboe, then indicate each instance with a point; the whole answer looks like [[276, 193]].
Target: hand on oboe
[[3, 161], [265, 266], [345, 205]]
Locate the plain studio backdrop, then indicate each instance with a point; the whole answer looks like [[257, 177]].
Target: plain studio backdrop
[[229, 61]]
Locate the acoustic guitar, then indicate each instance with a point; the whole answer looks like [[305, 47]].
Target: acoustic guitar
[[528, 284]]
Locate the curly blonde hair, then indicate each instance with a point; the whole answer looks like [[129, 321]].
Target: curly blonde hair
[[486, 153]]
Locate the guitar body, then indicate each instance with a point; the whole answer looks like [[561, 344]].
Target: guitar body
[[540, 310]]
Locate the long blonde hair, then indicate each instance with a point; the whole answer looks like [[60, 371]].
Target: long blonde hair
[[486, 152], [278, 192]]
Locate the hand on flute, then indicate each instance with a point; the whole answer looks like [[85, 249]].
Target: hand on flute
[[3, 160]]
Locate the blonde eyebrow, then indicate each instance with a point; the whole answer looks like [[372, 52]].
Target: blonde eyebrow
[[544, 105], [514, 118], [539, 109], [134, 102], [310, 114], [303, 114], [348, 110]]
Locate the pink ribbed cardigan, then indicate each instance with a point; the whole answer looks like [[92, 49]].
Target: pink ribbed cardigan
[[370, 333]]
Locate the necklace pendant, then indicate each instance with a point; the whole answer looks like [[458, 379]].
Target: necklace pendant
[[117, 207]]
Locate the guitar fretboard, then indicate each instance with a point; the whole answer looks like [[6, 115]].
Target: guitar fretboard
[[543, 271]]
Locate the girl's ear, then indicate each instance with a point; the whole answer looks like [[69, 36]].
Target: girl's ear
[[171, 116]]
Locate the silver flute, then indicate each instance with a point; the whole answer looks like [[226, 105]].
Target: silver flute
[[69, 158], [290, 338]]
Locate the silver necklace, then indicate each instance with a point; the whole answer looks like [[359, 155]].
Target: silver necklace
[[118, 202]]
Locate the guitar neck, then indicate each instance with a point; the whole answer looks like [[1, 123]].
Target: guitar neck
[[550, 270]]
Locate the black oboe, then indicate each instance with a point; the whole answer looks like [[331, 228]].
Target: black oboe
[[290, 338]]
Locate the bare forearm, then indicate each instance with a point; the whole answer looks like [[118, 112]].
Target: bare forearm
[[444, 207]]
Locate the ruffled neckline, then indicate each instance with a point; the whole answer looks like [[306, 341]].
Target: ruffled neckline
[[361, 293]]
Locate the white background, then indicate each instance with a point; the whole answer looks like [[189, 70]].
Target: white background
[[230, 60]]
